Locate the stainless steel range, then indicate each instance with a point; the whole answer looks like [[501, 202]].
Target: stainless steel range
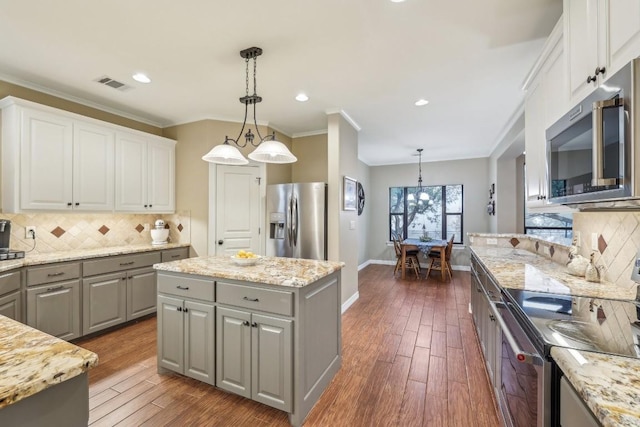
[[580, 323]]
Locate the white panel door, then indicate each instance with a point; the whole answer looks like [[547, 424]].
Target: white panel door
[[624, 32], [46, 161], [161, 184], [131, 173], [238, 210], [93, 167]]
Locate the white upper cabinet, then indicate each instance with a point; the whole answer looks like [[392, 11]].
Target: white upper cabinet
[[59, 161], [601, 36], [145, 173], [535, 146], [93, 167], [46, 157], [624, 32]]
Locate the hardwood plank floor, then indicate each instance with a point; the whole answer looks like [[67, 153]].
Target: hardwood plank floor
[[410, 358]]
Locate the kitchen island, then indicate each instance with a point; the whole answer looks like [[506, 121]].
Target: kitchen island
[[606, 383], [270, 332], [43, 380]]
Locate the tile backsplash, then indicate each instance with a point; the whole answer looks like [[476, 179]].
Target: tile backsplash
[[72, 231], [617, 236]]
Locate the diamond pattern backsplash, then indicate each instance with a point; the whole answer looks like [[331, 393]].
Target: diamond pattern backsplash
[[618, 237], [71, 231]]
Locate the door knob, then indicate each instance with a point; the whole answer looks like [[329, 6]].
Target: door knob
[[220, 241]]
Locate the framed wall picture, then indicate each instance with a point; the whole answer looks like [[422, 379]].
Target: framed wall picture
[[349, 194]]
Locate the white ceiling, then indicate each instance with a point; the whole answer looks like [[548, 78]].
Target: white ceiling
[[372, 59]]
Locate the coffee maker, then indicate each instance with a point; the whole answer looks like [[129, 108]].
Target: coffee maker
[[5, 235]]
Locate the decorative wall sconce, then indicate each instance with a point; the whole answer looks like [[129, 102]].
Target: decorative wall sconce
[[491, 206]]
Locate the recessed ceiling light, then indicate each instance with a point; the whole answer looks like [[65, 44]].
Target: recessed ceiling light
[[141, 77], [421, 102], [302, 97], [397, 1]]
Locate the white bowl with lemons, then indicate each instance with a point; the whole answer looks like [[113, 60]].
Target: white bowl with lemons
[[245, 258]]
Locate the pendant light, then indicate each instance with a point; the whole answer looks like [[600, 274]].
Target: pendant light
[[268, 150], [421, 194]]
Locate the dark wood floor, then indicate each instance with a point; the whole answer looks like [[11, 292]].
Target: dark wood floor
[[410, 358]]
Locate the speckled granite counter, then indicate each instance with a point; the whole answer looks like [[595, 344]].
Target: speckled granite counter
[[80, 254], [32, 361], [609, 385], [290, 272], [521, 269]]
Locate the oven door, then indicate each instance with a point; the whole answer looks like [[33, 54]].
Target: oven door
[[524, 389]]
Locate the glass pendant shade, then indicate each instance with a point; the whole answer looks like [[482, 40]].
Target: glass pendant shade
[[272, 152], [225, 154], [422, 195], [410, 197]]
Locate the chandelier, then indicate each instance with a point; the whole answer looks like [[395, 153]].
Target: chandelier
[[268, 150], [421, 194]]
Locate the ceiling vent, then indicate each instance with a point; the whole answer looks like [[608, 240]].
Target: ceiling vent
[[108, 81]]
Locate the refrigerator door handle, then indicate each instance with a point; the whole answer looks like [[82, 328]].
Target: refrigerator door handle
[[294, 221], [289, 219]]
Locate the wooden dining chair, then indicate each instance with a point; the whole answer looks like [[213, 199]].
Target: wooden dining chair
[[411, 258], [443, 265]]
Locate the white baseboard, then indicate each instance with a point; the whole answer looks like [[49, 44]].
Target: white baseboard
[[348, 303], [364, 264]]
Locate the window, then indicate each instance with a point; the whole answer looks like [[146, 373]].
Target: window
[[553, 227], [439, 216]]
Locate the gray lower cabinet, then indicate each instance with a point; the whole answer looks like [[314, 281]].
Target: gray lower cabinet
[[141, 292], [104, 301], [573, 411], [186, 327], [254, 356], [55, 308], [11, 295]]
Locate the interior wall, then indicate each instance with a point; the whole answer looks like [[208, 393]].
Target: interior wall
[[506, 210], [10, 89], [192, 173], [343, 231], [312, 165], [473, 174], [520, 194], [364, 220]]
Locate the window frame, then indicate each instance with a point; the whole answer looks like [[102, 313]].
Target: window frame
[[443, 212]]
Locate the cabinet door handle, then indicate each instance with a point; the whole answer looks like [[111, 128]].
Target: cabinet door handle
[[254, 325], [601, 70], [245, 323], [55, 288], [77, 204], [179, 308], [127, 263], [60, 273], [250, 299], [186, 310], [150, 206], [175, 256], [591, 79], [69, 204], [184, 288]]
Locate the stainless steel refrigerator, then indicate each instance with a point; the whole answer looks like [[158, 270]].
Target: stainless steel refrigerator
[[297, 220]]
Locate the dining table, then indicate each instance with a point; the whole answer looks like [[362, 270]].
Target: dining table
[[423, 246]]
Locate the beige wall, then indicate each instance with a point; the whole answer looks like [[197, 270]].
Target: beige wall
[[9, 89], [192, 173], [343, 240], [312, 165], [473, 174]]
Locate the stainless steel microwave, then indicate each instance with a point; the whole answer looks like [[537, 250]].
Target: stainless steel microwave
[[591, 149]]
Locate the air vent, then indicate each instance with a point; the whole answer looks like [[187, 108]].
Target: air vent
[[108, 81]]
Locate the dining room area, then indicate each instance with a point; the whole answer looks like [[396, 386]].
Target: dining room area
[[422, 256]]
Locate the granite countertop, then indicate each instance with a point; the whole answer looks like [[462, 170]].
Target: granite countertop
[[521, 269], [291, 272], [609, 385], [80, 254], [31, 361]]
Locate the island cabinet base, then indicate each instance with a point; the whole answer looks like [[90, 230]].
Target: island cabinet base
[[278, 345], [62, 405]]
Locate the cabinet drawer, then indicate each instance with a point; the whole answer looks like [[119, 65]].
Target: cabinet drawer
[[175, 254], [52, 273], [269, 300], [119, 263], [9, 282], [187, 287]]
